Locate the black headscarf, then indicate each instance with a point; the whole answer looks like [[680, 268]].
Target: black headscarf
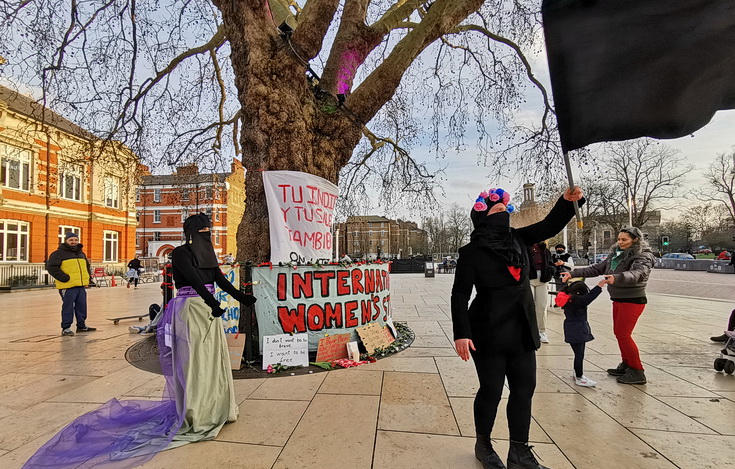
[[200, 243], [494, 233]]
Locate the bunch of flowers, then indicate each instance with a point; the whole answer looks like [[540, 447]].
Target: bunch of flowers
[[493, 195]]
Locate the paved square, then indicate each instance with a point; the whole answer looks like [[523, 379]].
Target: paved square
[[413, 410]]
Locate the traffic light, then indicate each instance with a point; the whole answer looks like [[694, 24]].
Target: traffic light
[[665, 240]]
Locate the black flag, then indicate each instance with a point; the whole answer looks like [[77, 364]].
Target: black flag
[[623, 69]]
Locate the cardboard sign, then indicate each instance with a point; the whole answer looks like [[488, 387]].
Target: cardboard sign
[[332, 347], [286, 349], [235, 346], [373, 336]]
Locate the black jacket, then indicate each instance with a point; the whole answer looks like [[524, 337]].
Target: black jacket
[[502, 317], [69, 267], [576, 328], [185, 274], [547, 271]]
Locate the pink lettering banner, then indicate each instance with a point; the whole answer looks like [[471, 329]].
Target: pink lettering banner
[[300, 211]]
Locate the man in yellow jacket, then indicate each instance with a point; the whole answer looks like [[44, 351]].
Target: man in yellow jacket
[[70, 268]]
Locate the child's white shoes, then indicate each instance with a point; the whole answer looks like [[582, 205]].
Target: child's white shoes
[[584, 382]]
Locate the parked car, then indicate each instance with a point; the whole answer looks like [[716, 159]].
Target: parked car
[[677, 255], [600, 258]]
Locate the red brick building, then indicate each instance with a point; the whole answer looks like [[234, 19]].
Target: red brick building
[[164, 201], [56, 177]]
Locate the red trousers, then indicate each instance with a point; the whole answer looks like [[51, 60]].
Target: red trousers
[[625, 316]]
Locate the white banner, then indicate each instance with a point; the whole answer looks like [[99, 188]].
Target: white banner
[[321, 301], [300, 209]]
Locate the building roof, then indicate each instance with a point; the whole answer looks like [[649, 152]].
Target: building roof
[[178, 179], [28, 107]]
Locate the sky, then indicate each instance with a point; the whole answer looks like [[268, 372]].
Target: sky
[[464, 178]]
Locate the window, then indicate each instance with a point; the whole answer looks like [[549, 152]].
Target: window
[[137, 194], [156, 216], [70, 181], [16, 167], [112, 191], [64, 229], [110, 242], [137, 217], [156, 195], [216, 238], [208, 192], [184, 214], [13, 241], [208, 211], [137, 240], [156, 236], [216, 215], [184, 194]]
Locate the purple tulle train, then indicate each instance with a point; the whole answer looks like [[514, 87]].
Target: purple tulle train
[[124, 434]]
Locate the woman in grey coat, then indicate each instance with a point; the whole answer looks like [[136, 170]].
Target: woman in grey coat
[[626, 272]]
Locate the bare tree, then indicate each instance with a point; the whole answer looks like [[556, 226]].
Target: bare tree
[[458, 226], [294, 83], [647, 171], [720, 177]]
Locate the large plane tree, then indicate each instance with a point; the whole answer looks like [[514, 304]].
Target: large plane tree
[[339, 89]]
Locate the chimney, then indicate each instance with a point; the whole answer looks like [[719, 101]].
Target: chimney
[[188, 170]]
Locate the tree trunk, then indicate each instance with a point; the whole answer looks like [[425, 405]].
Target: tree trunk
[[284, 126]]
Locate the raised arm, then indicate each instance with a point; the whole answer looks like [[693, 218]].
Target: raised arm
[[554, 222]]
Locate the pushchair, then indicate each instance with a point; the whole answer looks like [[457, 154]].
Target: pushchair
[[726, 362]]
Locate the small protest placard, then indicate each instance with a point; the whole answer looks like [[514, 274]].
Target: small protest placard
[[373, 336], [389, 335], [332, 347], [236, 347], [353, 351], [286, 349], [392, 327]]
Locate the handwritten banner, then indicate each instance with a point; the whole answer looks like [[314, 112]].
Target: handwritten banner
[[333, 347], [231, 317], [286, 349], [320, 301], [300, 210]]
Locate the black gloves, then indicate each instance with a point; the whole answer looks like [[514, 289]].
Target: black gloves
[[248, 300], [217, 311]]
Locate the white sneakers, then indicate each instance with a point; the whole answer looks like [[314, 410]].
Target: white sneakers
[[542, 337], [584, 382]]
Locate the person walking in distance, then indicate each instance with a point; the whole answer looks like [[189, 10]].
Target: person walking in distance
[[626, 270], [136, 268], [498, 329], [71, 270]]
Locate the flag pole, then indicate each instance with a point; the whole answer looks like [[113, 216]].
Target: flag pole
[[568, 165]]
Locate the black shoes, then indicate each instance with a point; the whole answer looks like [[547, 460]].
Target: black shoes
[[719, 338], [633, 376], [521, 457], [485, 453], [619, 371], [86, 329]]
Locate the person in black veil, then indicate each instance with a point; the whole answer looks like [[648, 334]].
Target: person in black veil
[[499, 329], [207, 390], [198, 398]]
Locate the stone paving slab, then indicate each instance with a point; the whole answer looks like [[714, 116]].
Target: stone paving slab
[[412, 410]]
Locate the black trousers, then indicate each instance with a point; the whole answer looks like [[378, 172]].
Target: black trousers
[[520, 369], [578, 349]]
